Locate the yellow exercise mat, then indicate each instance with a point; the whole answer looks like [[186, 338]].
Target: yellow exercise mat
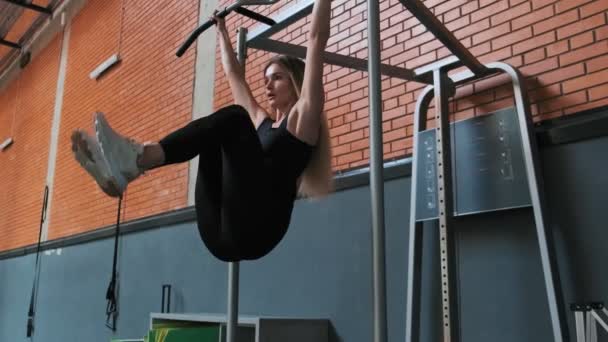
[[184, 334]]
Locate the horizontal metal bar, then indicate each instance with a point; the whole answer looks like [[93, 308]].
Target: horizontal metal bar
[[428, 19], [255, 16], [466, 76], [284, 19], [256, 2], [30, 6], [9, 44], [448, 63], [335, 59]]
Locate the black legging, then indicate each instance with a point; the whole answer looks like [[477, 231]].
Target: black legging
[[230, 193]]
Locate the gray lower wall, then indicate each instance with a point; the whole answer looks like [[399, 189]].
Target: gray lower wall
[[323, 269]]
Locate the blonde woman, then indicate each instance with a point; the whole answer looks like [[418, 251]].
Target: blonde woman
[[252, 161]]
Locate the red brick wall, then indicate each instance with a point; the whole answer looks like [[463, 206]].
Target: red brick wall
[[26, 111], [146, 96], [561, 47]]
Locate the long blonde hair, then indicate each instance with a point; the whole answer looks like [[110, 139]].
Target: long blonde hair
[[317, 179]]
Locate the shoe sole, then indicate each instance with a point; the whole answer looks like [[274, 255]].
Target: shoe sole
[[84, 155], [101, 130]]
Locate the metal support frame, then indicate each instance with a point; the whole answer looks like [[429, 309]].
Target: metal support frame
[[259, 39], [376, 173], [233, 301], [412, 309], [8, 61], [545, 238], [443, 159], [337, 59], [428, 19], [442, 87], [30, 6]]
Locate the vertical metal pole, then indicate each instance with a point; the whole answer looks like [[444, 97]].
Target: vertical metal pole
[[376, 171], [535, 183], [233, 301], [588, 326], [449, 302], [414, 262], [591, 327], [233, 267], [580, 325]]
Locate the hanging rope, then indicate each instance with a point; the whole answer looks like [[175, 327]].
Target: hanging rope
[[32, 311], [111, 294]]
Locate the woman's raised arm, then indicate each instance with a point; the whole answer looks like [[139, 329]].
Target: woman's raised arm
[[312, 97], [236, 74]]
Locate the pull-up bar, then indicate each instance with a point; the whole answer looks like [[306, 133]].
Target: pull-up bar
[[237, 7]]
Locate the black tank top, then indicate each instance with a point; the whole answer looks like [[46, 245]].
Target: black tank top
[[285, 156]]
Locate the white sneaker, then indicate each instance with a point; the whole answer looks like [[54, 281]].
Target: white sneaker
[[88, 154], [119, 153]]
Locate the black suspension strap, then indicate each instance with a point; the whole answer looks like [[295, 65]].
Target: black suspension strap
[[32, 311], [111, 295]]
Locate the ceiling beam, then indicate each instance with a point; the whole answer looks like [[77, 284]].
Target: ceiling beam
[[28, 5], [10, 44]]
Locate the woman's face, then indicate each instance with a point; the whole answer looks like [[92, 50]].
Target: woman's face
[[279, 89]]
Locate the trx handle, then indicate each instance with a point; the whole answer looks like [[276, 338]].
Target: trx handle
[[32, 310], [45, 203], [237, 7]]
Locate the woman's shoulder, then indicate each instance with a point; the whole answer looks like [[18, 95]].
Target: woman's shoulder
[[304, 125], [261, 119]]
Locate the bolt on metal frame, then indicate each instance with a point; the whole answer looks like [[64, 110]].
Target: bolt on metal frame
[[441, 87]]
